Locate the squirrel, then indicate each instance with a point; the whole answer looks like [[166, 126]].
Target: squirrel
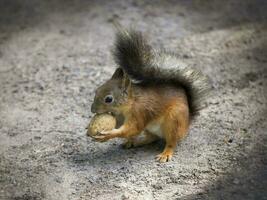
[[156, 95]]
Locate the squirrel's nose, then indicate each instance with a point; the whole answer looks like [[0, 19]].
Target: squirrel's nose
[[93, 109]]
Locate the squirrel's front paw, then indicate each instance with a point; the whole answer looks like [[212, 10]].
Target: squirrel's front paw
[[102, 136]]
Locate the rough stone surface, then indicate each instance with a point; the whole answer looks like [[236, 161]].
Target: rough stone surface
[[53, 54]]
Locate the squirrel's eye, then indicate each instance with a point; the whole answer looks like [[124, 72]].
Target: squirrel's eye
[[109, 99]]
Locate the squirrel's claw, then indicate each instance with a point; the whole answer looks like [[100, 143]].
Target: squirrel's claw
[[163, 157], [102, 136], [103, 133]]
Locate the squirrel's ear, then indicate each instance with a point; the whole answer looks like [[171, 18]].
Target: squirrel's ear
[[124, 79], [118, 74], [126, 83]]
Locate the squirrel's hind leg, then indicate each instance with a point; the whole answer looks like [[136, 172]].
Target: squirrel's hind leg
[[174, 127], [146, 138]]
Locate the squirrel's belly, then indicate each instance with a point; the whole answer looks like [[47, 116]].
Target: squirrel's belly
[[155, 129]]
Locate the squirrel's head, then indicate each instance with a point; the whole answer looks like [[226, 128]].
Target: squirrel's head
[[113, 94]]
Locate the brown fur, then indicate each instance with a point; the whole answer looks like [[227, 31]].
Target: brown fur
[[163, 100], [165, 105]]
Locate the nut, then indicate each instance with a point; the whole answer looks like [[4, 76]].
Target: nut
[[101, 122]]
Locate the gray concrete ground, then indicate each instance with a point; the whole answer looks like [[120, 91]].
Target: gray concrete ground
[[53, 54]]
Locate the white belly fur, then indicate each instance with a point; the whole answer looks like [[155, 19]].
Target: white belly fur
[[155, 129]]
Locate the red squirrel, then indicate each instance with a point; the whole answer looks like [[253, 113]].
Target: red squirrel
[[154, 93]]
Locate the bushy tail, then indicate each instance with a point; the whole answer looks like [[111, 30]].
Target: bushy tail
[[144, 65]]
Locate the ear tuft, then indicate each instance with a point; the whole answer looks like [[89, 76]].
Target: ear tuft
[[118, 74]]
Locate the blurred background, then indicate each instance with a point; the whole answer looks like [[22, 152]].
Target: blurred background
[[55, 53]]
